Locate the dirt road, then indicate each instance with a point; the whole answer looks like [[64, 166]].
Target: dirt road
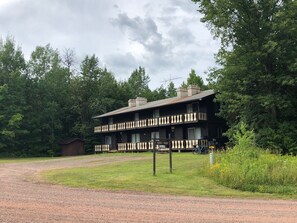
[[25, 200]]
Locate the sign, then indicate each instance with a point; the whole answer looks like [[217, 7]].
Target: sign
[[162, 145], [163, 142]]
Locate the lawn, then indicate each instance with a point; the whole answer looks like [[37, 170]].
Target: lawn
[[188, 178], [16, 160]]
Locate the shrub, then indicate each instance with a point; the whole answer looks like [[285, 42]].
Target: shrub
[[247, 167]]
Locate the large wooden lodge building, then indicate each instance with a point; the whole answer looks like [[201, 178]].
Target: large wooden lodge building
[[188, 119]]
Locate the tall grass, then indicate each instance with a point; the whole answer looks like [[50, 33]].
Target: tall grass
[[249, 168]]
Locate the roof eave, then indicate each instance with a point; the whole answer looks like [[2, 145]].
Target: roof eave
[[144, 107]]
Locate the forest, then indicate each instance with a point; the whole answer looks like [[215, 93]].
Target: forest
[[256, 76], [46, 98]]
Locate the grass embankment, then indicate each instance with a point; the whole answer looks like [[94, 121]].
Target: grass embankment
[[190, 177], [250, 168]]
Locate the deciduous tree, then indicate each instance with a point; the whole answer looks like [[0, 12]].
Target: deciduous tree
[[12, 99], [257, 76]]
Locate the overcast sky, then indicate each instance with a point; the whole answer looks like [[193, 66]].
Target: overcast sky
[[166, 37]]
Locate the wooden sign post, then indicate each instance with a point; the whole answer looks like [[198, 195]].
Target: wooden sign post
[[162, 145]]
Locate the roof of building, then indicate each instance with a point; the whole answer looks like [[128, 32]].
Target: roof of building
[[159, 103], [69, 141]]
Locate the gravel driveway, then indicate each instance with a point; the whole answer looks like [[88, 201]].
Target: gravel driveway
[[25, 200]]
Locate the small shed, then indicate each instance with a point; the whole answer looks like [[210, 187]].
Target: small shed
[[72, 147]]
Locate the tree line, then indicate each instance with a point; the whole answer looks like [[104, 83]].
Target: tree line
[[46, 99], [256, 81]]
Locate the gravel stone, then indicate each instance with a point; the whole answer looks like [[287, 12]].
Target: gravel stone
[[24, 198]]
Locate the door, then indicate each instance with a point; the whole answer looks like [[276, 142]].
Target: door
[[107, 140]]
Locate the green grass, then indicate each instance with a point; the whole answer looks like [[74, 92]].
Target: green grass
[[255, 170], [189, 177], [250, 168], [17, 160]]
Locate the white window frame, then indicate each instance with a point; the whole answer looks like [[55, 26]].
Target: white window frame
[[197, 133], [136, 117], [135, 137], [189, 108], [155, 134], [156, 113]]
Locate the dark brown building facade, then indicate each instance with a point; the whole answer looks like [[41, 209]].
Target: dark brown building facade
[[72, 147], [188, 119]]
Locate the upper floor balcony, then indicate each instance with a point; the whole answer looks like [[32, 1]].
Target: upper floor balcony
[[153, 122]]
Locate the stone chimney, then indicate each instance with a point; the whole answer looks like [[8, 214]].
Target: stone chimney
[[132, 103], [193, 89], [181, 92], [140, 101]]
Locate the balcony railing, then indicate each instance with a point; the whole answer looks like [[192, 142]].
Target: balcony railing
[[178, 144], [104, 128], [202, 116], [142, 146], [122, 126], [122, 146], [188, 144], [139, 146], [149, 146], [176, 119], [113, 127], [191, 117], [131, 146], [153, 122], [164, 120], [140, 123], [130, 125], [101, 148], [98, 129]]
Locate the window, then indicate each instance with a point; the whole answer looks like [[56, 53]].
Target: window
[[110, 121], [155, 135], [156, 113], [136, 117], [196, 107], [194, 133], [135, 138], [108, 140], [189, 108]]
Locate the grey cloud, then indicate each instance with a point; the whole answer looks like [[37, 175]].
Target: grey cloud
[[141, 30], [172, 51], [61, 23], [171, 37], [122, 62], [181, 35], [186, 6], [169, 10]]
